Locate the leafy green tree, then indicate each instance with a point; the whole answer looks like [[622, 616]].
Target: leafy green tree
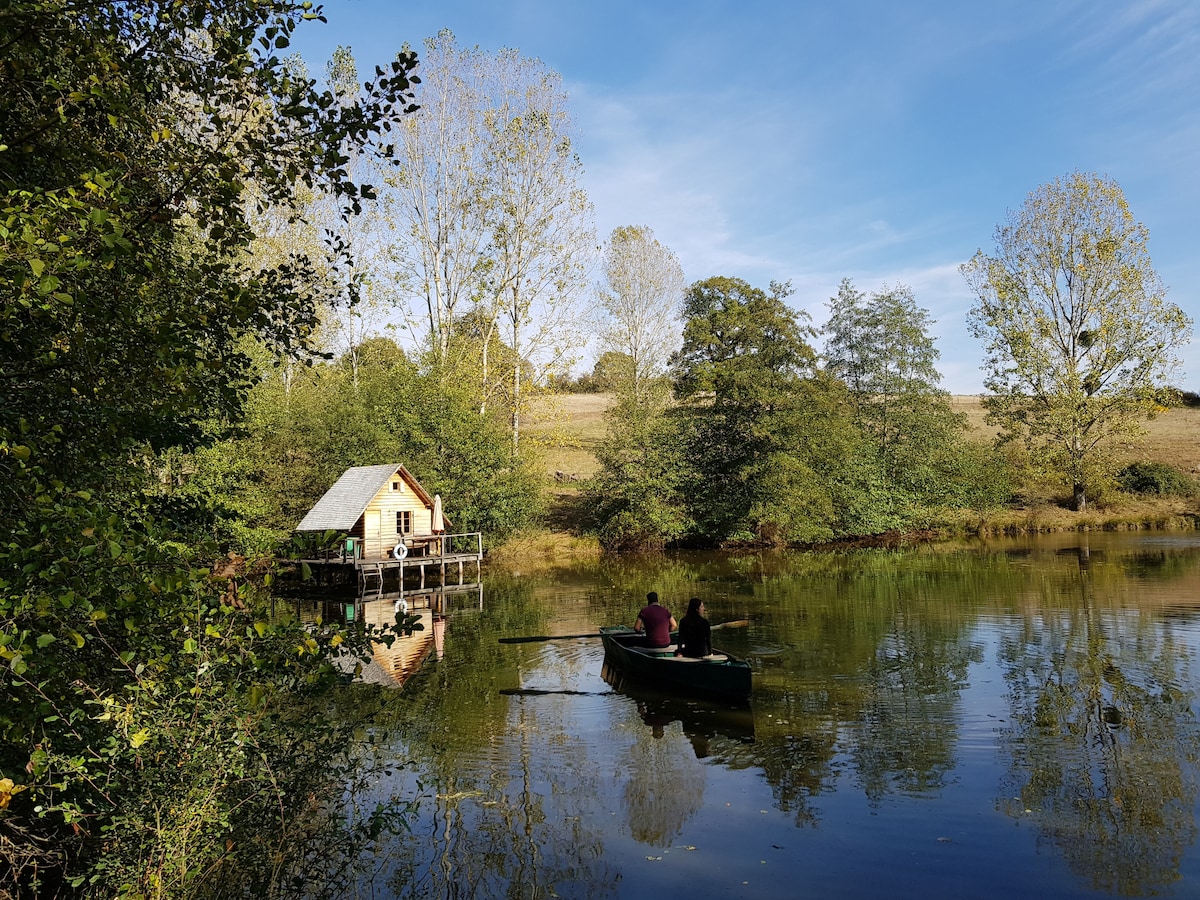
[[611, 369], [148, 717], [476, 352], [638, 496], [766, 432], [881, 348], [1078, 333]]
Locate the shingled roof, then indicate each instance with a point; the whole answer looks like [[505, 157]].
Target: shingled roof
[[345, 502]]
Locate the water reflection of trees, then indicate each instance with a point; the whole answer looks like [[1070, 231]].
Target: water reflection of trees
[[666, 782], [907, 731], [498, 825], [869, 666], [1102, 743], [493, 818], [860, 664]]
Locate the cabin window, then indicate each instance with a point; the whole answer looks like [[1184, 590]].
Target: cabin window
[[396, 485], [404, 521]]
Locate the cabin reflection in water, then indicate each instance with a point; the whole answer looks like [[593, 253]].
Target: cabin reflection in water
[[395, 664], [407, 653]]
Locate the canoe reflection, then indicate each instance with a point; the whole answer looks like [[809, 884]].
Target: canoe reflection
[[702, 720]]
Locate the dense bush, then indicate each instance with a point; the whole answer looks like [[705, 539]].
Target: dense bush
[[1157, 478], [1180, 397]]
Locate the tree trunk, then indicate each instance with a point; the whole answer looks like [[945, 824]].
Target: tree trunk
[[1080, 500], [516, 409]]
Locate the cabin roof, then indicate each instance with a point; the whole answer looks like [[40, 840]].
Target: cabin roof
[[342, 505]]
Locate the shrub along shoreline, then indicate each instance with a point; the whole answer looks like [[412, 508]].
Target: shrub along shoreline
[[567, 540]]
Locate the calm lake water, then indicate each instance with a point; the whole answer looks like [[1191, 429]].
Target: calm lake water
[[1006, 719]]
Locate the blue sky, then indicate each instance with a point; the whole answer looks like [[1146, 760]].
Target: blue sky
[[880, 141]]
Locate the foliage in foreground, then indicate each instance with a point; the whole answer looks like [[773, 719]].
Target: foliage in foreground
[[153, 735], [129, 135], [157, 727]]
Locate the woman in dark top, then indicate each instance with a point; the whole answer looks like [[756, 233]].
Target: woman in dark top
[[695, 634]]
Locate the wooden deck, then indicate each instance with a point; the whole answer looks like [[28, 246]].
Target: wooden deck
[[427, 555]]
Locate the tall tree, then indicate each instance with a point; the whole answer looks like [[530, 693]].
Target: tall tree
[[349, 273], [489, 214], [438, 198], [360, 289], [542, 235], [638, 494], [765, 428], [1078, 333], [881, 347], [642, 296]]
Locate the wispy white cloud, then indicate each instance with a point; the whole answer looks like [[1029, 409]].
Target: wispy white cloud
[[681, 182]]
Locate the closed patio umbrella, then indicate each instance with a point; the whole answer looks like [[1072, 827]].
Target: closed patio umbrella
[[438, 523]]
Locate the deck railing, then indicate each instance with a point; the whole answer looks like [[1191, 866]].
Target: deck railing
[[467, 542], [420, 548]]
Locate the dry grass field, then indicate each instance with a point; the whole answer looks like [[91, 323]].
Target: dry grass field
[[1172, 437], [567, 428]]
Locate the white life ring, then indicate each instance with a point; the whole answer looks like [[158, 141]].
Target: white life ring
[[400, 550]]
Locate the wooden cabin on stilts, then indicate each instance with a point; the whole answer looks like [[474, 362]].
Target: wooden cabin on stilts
[[392, 524]]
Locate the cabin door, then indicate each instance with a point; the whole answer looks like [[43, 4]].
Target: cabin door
[[372, 539]]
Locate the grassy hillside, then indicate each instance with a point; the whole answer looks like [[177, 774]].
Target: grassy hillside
[[566, 429]]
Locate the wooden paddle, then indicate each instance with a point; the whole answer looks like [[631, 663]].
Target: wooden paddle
[[737, 623]]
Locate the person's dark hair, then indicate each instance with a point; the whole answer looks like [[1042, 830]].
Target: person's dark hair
[[652, 597], [694, 606]]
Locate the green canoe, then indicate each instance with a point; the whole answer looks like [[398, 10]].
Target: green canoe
[[719, 675]]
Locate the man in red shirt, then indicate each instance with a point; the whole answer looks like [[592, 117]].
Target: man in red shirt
[[656, 621]]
